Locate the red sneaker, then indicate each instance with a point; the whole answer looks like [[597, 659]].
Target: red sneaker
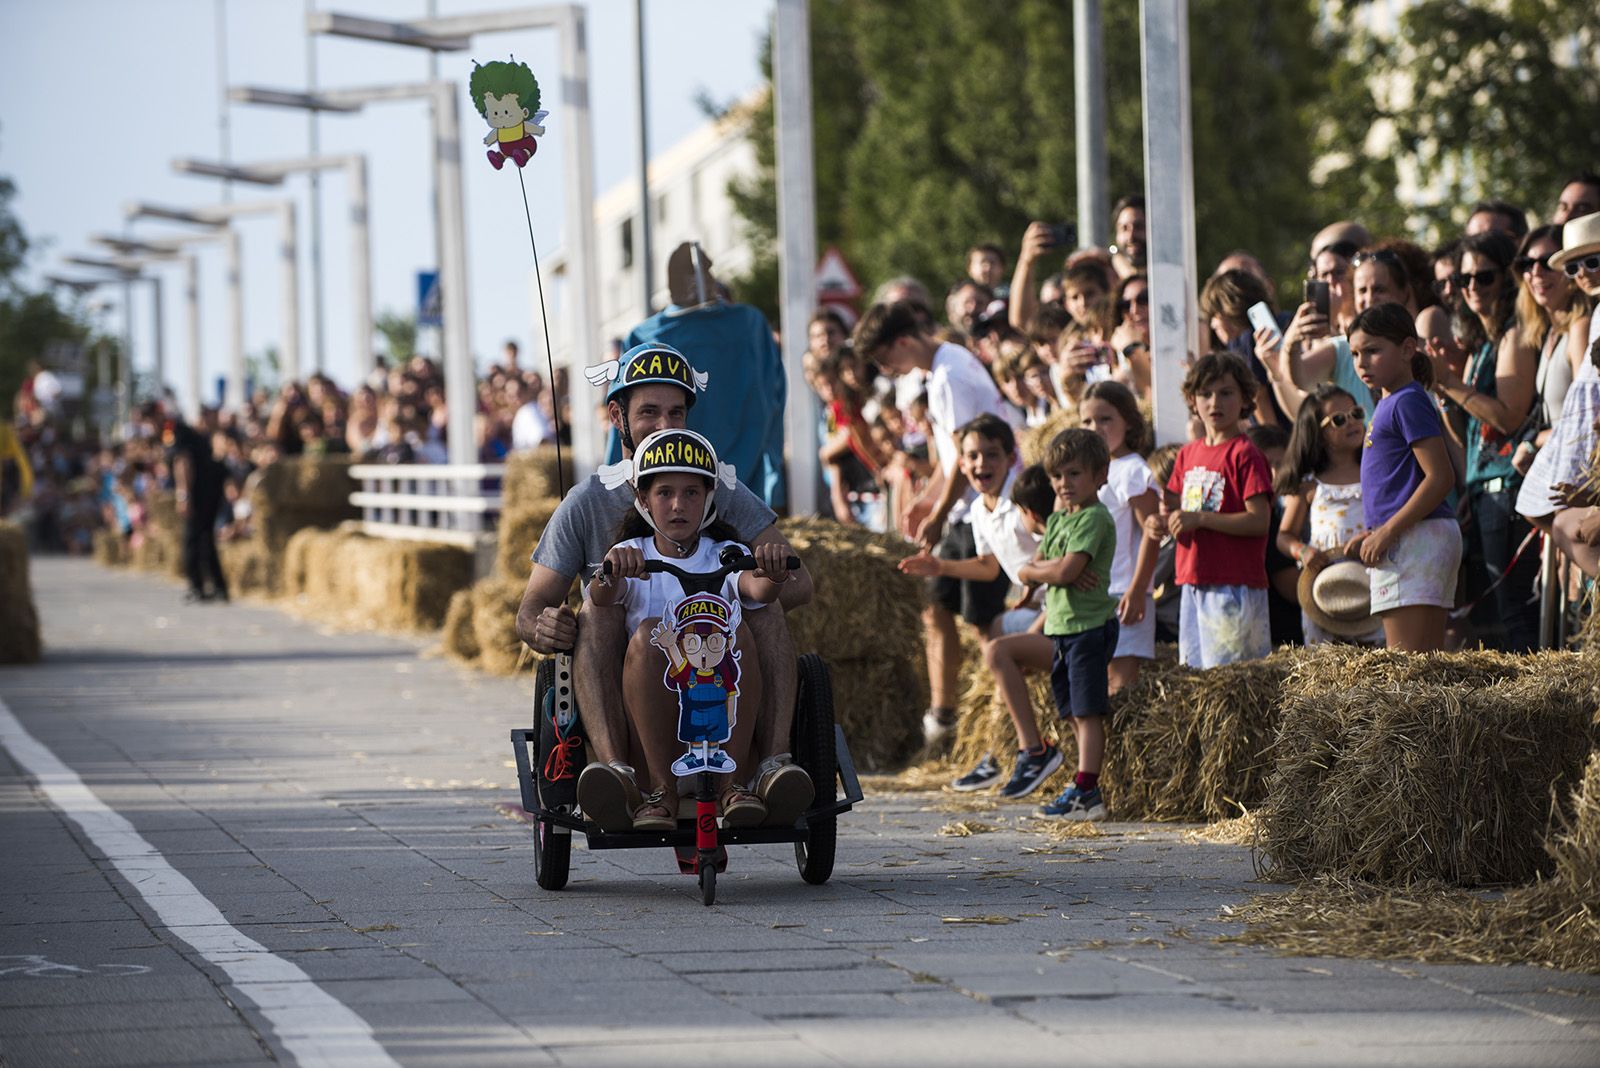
[[497, 159]]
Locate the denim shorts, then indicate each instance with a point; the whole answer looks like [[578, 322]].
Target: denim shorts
[[1078, 672]]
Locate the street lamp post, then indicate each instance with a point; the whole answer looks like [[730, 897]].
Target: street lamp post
[[104, 378], [354, 165], [229, 240], [460, 379], [174, 251], [454, 33], [218, 215], [128, 270]]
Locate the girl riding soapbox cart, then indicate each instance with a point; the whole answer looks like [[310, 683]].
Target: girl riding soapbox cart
[[550, 755]]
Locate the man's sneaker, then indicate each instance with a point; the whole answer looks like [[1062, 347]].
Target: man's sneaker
[[984, 773], [608, 796], [785, 789], [1076, 804], [1032, 770]]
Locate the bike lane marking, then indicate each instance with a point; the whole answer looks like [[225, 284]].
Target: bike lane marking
[[315, 1028]]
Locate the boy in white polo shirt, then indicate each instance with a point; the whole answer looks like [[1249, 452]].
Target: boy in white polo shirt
[[896, 337], [1006, 516]]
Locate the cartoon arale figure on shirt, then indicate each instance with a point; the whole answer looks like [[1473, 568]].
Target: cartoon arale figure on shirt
[[697, 635], [506, 94]]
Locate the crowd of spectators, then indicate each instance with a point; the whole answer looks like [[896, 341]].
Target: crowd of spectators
[[77, 483], [1507, 337]]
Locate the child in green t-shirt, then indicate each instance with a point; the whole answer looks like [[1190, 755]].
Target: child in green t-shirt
[[1080, 615]]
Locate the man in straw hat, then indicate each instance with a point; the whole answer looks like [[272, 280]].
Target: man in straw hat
[[651, 388]]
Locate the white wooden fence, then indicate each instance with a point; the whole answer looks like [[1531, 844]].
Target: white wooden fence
[[430, 502]]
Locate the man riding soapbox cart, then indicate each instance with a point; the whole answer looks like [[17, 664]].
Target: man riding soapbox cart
[[549, 755]]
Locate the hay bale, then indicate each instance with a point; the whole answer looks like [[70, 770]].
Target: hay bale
[[864, 619], [250, 569], [494, 619], [1181, 744], [300, 492], [159, 551], [19, 620], [459, 640], [1399, 769], [519, 531], [531, 476], [110, 548], [346, 578]]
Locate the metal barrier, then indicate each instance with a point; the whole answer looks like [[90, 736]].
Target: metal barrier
[[431, 502]]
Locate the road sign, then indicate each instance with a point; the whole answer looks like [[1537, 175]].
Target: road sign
[[835, 282], [429, 309]]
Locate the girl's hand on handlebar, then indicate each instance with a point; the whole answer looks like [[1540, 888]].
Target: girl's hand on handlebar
[[626, 562], [772, 561]]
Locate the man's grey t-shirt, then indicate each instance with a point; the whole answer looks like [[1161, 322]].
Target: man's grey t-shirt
[[584, 527]]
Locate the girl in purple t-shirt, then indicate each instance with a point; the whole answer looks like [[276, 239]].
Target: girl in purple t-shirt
[[1412, 544]]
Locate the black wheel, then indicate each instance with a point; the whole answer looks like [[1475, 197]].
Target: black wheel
[[558, 777], [552, 856], [708, 879], [813, 750]]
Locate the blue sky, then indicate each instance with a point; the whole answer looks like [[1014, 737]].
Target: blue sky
[[98, 96]]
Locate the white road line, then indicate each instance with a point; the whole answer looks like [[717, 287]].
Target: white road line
[[316, 1029]]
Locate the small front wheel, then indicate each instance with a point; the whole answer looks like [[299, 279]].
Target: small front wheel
[[708, 878], [552, 855]]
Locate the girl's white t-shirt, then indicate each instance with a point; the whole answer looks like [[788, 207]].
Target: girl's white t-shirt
[[648, 597], [1128, 477]]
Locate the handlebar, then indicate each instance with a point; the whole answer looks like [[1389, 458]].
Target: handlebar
[[733, 560]]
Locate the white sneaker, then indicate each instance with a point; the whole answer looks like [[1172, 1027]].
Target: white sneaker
[[935, 729]]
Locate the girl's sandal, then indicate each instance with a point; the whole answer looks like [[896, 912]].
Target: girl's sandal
[[741, 808], [654, 815]]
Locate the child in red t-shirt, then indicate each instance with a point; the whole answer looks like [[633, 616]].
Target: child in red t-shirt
[[1218, 505]]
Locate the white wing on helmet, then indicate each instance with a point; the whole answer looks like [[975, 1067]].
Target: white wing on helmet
[[700, 380], [614, 475], [727, 475], [601, 373]]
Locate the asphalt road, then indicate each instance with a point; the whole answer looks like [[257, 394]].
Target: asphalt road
[[230, 836]]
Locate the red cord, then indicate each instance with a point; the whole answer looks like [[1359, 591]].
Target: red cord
[[560, 764]]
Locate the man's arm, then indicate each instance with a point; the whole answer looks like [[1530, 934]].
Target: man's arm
[[544, 621]]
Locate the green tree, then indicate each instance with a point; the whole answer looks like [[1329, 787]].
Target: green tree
[[399, 336], [955, 127], [1470, 100], [29, 321]]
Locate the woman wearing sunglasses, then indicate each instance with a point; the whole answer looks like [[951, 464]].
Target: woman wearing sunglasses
[[1497, 396], [1550, 494], [1547, 304], [1130, 333]]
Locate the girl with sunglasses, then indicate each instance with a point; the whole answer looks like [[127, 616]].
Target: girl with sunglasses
[[1497, 396], [1320, 482]]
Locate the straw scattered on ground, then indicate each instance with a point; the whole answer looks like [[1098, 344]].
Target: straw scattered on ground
[[1554, 922]]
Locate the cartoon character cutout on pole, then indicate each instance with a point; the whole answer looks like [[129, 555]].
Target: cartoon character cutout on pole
[[697, 636], [506, 94]]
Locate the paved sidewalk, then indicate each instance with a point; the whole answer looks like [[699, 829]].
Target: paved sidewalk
[[339, 798]]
